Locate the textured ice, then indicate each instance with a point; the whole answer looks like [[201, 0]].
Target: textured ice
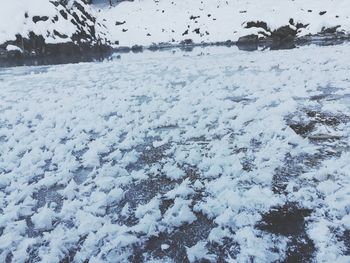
[[210, 155]]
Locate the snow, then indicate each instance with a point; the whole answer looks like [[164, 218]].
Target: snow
[[102, 159], [150, 22], [198, 252], [13, 48], [147, 22], [164, 246]]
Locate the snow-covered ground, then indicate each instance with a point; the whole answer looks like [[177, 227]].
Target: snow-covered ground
[[217, 155], [147, 22]]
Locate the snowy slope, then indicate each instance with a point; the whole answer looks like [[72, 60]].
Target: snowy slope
[[230, 156], [147, 22], [55, 22], [143, 22]]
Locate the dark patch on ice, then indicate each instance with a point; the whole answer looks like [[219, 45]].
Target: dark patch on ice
[[48, 196], [228, 248], [31, 231], [81, 174], [346, 239], [150, 154], [314, 118], [8, 258], [300, 249], [302, 129], [289, 220], [327, 119], [185, 236], [74, 250], [140, 193], [292, 168], [165, 205], [248, 164]]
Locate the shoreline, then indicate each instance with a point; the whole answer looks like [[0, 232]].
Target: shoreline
[[73, 53]]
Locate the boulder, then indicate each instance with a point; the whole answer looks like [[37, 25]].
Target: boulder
[[248, 43]]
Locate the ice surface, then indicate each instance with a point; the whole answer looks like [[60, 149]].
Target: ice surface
[[177, 156]]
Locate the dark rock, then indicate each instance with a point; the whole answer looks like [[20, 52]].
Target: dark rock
[[85, 13], [283, 38], [249, 39], [13, 54], [248, 43], [259, 24], [136, 48], [123, 49], [322, 13], [39, 18], [330, 30], [229, 43], [37, 51], [197, 31], [194, 17], [117, 23], [63, 14], [187, 42], [59, 34], [298, 25], [301, 25], [284, 32]]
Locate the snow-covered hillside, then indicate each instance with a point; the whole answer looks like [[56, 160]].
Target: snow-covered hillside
[[38, 26], [144, 22], [151, 22]]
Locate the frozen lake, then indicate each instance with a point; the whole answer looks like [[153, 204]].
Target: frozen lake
[[214, 155]]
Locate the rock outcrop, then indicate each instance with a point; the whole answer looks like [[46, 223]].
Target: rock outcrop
[[71, 29]]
